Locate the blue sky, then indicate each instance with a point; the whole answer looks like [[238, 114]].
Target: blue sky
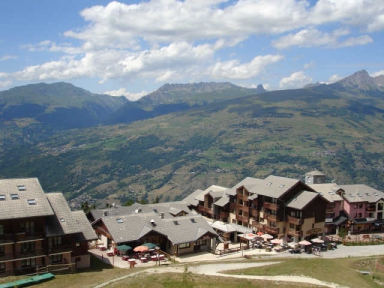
[[132, 48]]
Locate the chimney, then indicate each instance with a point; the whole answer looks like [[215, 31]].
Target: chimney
[[105, 213], [161, 215], [153, 222]]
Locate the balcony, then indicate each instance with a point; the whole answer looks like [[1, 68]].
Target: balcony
[[271, 230], [258, 226], [294, 232], [7, 238], [370, 208], [271, 206], [205, 210], [242, 208], [29, 236], [22, 255], [294, 220], [223, 215], [253, 212], [271, 217], [242, 218], [59, 249]]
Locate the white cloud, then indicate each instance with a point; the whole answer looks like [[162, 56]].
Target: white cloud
[[4, 84], [129, 95], [378, 73], [7, 57], [295, 80], [159, 39], [313, 37], [234, 70], [310, 64], [334, 78]]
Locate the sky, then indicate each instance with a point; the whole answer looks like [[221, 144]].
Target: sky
[[132, 48]]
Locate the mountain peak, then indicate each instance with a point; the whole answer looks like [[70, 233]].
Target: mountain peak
[[360, 80]]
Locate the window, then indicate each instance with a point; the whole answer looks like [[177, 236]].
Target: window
[[21, 187], [291, 226], [28, 246], [55, 241], [184, 245], [28, 227], [2, 266], [2, 197], [14, 196], [56, 258], [1, 230], [28, 262], [201, 242], [31, 201]]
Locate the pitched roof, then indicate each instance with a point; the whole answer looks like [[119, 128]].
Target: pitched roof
[[22, 198], [88, 232], [273, 186], [192, 199], [302, 199], [361, 193], [168, 209], [248, 182], [63, 221], [127, 228], [328, 191]]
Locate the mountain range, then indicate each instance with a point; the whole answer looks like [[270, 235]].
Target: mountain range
[[184, 137]]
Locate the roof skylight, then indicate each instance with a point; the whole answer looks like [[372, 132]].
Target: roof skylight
[[119, 220], [31, 201], [21, 187], [14, 196]]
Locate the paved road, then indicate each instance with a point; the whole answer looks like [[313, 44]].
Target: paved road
[[214, 269]]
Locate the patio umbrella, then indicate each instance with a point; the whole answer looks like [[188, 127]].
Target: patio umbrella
[[305, 243], [276, 241], [123, 248], [150, 245], [267, 236], [141, 249], [317, 241]]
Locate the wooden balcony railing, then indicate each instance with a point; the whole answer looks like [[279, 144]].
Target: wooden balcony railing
[[271, 230], [294, 220], [271, 206], [242, 218], [370, 208], [253, 212], [271, 217], [206, 210], [59, 249]]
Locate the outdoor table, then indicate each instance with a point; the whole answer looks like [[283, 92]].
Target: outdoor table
[[161, 257], [154, 258], [143, 260], [125, 257], [110, 253], [102, 248]]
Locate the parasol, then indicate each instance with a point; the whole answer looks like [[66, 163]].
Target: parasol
[[141, 249]]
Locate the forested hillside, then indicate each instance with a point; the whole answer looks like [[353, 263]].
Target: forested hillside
[[336, 129]]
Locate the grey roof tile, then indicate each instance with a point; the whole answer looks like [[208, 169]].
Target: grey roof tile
[[30, 202], [85, 227], [302, 199], [361, 193], [63, 221]]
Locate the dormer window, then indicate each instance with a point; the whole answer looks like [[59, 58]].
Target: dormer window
[[14, 196]]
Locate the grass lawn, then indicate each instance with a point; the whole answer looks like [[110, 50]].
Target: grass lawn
[[344, 272]]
